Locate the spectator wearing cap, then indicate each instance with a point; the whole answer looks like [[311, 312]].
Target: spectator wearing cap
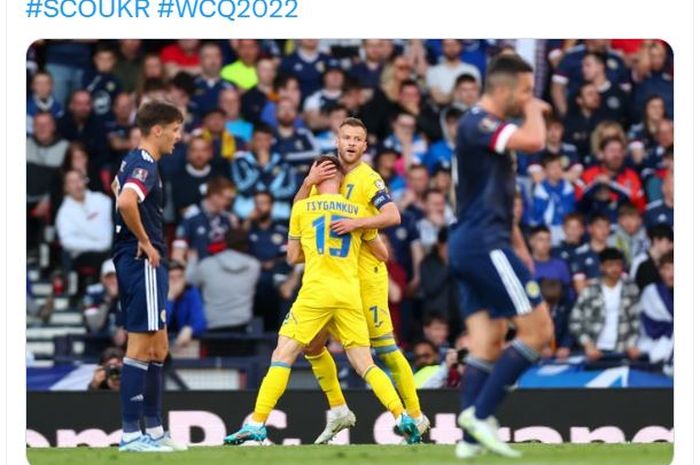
[[586, 264], [326, 140], [316, 104], [629, 237], [605, 317], [254, 99], [308, 63], [661, 211], [262, 169], [208, 84], [644, 267], [296, 145], [242, 72], [656, 336], [442, 150], [230, 103], [203, 229], [442, 76], [553, 198], [184, 308], [84, 224], [41, 99], [102, 312]]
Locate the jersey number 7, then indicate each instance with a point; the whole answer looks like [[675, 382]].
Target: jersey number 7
[[320, 225]]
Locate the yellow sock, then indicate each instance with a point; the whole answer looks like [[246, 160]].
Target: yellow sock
[[271, 389], [326, 373], [384, 390], [401, 371]]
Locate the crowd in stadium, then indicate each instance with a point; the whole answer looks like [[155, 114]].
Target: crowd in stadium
[[596, 205]]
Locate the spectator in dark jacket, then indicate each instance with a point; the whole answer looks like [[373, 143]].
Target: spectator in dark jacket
[[436, 285], [185, 311]]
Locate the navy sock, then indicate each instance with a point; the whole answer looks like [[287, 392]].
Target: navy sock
[[476, 372], [132, 393], [517, 358], [153, 395]]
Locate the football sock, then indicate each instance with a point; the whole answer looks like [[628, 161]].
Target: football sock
[[476, 372], [402, 374], [326, 373], [514, 360], [271, 389], [153, 400], [131, 394], [384, 390]]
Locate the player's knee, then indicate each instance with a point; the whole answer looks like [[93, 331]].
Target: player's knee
[[314, 349]]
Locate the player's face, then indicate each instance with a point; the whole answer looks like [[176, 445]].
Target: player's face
[[351, 144], [520, 94], [170, 135]]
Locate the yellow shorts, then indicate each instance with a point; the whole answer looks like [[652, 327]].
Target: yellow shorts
[[375, 305], [303, 323]]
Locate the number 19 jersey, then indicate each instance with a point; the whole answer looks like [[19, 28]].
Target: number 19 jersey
[[331, 272]]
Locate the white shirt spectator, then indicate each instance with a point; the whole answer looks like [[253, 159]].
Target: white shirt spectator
[[608, 337], [85, 226]]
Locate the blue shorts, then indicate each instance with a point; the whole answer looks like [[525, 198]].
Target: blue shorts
[[143, 291], [496, 281]]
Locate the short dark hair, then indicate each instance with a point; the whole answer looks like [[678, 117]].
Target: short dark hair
[[443, 233], [428, 343], [610, 254], [103, 47], [575, 216], [333, 159], [157, 113], [598, 217], [466, 77], [609, 140], [666, 259], [266, 193], [540, 228], [111, 352], [354, 123], [627, 209], [333, 107], [599, 57], [282, 80], [432, 191], [264, 128], [660, 231], [505, 66], [185, 82], [432, 317], [453, 113], [550, 158], [237, 239], [218, 184]]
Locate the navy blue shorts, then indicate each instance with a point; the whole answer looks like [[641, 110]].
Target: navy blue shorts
[[496, 281], [143, 291]]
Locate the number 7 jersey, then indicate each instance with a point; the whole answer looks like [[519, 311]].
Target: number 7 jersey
[[331, 273]]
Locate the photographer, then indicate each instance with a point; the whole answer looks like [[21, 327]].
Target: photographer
[[430, 375], [107, 376]]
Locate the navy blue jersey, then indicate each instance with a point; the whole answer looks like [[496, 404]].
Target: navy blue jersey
[[570, 72], [586, 262], [268, 243], [566, 252], [658, 213], [484, 176], [299, 149], [203, 231], [309, 71], [402, 237], [206, 94], [139, 171]]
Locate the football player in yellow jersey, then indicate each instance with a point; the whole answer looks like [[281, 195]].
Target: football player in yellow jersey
[[364, 186], [331, 264]]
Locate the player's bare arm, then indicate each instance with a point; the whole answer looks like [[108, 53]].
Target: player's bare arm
[[295, 254], [128, 205], [388, 215], [378, 249], [319, 172], [530, 137]]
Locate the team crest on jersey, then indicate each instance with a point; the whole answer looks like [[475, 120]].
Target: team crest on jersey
[[488, 124], [379, 184], [612, 64], [532, 289], [277, 238], [140, 174]]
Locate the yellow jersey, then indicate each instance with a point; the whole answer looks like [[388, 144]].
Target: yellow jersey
[[363, 186], [331, 272]]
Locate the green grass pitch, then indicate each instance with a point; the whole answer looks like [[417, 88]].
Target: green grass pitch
[[428, 454]]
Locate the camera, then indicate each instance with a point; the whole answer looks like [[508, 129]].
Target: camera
[[113, 371], [461, 356]]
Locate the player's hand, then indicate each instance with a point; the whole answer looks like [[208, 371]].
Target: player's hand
[[98, 377], [451, 358], [634, 353], [592, 353], [320, 172], [536, 105], [344, 226], [151, 253]]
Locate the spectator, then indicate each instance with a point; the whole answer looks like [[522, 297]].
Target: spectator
[[102, 314], [107, 375], [181, 56], [642, 134], [437, 288], [296, 145], [41, 99], [442, 181], [227, 281], [230, 103], [179, 91], [261, 169], [426, 362], [654, 162], [436, 330], [546, 266], [441, 77], [209, 84], [184, 308], [605, 317], [224, 144], [604, 130], [101, 82], [308, 64], [117, 128], [287, 88], [437, 216], [242, 72], [656, 335], [661, 211], [368, 70], [406, 140], [614, 101], [630, 237], [203, 229], [397, 288], [76, 159], [268, 244], [407, 251], [152, 71], [465, 93], [84, 224], [442, 151], [553, 198], [326, 140], [129, 62], [254, 99], [79, 123], [412, 202], [67, 61], [329, 95], [555, 294], [531, 164], [611, 183], [45, 154], [385, 165], [586, 264], [411, 101], [644, 268], [574, 229], [581, 120], [651, 77]]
